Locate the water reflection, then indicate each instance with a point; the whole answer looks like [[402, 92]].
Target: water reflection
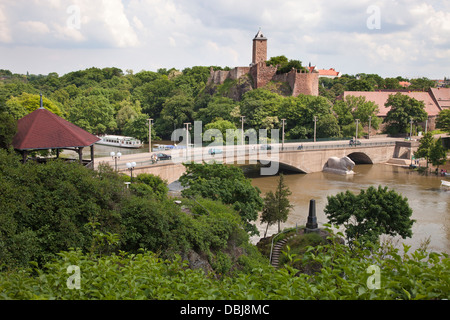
[[427, 199]]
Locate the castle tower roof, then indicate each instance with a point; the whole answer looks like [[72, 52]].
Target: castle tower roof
[[259, 36]]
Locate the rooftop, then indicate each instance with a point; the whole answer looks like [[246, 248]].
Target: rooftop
[[41, 129]]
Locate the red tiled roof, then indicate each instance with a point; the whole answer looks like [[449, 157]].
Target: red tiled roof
[[330, 72], [380, 98], [404, 84], [442, 96], [41, 129]]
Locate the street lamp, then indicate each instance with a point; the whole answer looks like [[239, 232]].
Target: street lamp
[[370, 119], [131, 165], [315, 120], [115, 157], [150, 135], [282, 141], [410, 130], [357, 125], [242, 129], [187, 137]]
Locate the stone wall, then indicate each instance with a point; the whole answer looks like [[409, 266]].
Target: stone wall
[[300, 83], [262, 74]]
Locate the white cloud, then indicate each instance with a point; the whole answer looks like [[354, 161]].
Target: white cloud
[[414, 37], [5, 32]]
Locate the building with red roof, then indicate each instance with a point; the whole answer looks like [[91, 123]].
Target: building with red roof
[[330, 73], [44, 130], [435, 100]]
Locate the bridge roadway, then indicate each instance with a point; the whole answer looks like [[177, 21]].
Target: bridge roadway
[[310, 158]]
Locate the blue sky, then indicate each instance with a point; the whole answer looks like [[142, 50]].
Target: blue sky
[[409, 38]]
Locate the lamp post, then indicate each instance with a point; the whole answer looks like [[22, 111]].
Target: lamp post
[[370, 119], [410, 139], [187, 137], [282, 141], [315, 121], [242, 129], [410, 130], [131, 165], [115, 157], [356, 134], [150, 135]]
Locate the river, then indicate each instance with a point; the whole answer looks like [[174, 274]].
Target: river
[[428, 200]]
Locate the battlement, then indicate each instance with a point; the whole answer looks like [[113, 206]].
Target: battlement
[[300, 82]]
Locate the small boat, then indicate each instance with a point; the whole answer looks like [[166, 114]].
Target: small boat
[[445, 183], [120, 141]]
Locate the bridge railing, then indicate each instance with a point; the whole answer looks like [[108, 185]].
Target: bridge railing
[[202, 153]]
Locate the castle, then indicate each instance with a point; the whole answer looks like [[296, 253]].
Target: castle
[[261, 74]]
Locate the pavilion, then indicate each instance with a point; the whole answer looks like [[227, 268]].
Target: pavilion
[[44, 130]]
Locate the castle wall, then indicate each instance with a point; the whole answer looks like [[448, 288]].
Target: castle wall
[[238, 72], [306, 83], [262, 74]]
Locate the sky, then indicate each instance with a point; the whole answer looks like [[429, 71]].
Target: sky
[[408, 38]]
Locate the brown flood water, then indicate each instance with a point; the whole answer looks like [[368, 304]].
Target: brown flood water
[[428, 200]]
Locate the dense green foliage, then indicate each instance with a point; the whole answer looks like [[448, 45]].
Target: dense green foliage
[[225, 183], [344, 274], [443, 120], [48, 208], [110, 101], [369, 214], [403, 110]]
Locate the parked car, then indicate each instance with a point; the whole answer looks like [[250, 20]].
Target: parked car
[[214, 151], [161, 156]]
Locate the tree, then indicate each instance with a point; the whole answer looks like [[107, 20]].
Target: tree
[[8, 129], [370, 214], [93, 113], [438, 155], [26, 103], [443, 120], [421, 84], [226, 184], [138, 128], [176, 111], [276, 205], [425, 146], [258, 104], [222, 126], [402, 109]]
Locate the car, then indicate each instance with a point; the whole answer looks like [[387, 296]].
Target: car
[[354, 142], [161, 156], [266, 147], [214, 151]]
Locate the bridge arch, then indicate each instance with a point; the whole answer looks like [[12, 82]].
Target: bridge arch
[[360, 158]]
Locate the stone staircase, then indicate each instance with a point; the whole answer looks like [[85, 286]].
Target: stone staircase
[[277, 251]]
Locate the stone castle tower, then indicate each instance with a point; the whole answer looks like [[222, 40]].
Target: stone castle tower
[[261, 74], [259, 48]]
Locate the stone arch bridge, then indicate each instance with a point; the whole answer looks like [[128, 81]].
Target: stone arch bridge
[[302, 158]]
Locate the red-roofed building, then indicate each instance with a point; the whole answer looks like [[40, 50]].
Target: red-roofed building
[[430, 99], [330, 73], [44, 130]]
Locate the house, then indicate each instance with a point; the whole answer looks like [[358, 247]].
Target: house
[[435, 100]]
